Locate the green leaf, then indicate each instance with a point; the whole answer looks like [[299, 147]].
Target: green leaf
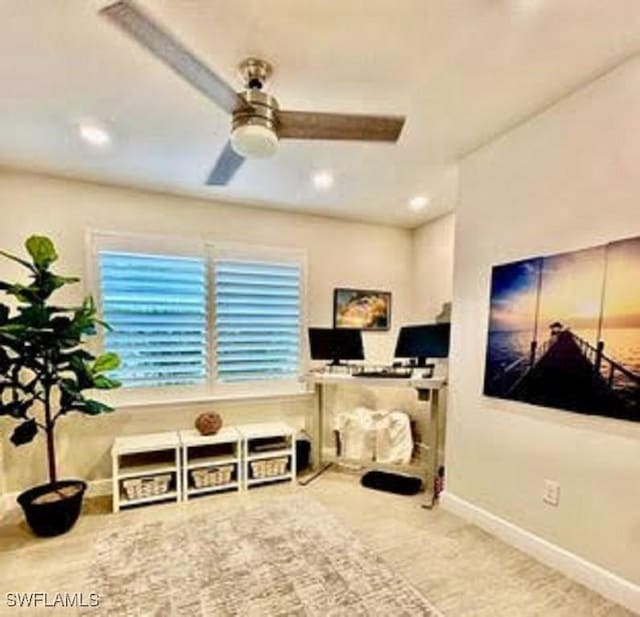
[[83, 375], [60, 324], [46, 282], [104, 324], [23, 293], [24, 433], [106, 362], [91, 407], [65, 280], [16, 409], [4, 314], [34, 316], [69, 394], [13, 328], [102, 382], [22, 262], [42, 251], [82, 354], [5, 361]]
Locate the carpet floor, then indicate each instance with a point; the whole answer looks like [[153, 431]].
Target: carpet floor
[[286, 556], [457, 567]]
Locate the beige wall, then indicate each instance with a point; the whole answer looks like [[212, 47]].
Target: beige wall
[[433, 267], [339, 254], [566, 180]]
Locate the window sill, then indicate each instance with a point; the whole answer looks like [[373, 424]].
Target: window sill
[[130, 399]]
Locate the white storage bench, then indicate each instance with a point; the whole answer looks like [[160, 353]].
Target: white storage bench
[[269, 453], [180, 465], [211, 463], [146, 469]]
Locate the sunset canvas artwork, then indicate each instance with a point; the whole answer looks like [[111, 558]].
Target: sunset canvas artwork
[[564, 331]]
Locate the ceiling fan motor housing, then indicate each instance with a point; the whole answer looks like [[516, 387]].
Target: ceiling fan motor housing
[[254, 73], [254, 127]]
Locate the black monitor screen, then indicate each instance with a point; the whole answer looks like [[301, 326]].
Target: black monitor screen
[[428, 341], [335, 344]]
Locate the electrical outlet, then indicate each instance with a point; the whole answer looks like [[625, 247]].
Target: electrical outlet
[[551, 492]]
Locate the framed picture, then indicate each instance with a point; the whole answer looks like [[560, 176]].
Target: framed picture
[[361, 309], [564, 331]]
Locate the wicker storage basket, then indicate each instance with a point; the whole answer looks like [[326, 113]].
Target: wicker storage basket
[[150, 486], [269, 467], [212, 476]]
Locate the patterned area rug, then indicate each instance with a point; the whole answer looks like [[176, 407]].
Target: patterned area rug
[[287, 556]]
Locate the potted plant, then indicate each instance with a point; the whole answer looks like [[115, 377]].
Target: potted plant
[[44, 371]]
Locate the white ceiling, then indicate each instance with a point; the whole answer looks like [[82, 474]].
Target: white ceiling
[[461, 71]]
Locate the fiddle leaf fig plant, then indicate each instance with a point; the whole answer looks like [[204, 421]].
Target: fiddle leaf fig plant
[[45, 370]]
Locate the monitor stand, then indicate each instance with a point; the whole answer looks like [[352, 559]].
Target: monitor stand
[[426, 368], [336, 366], [422, 363]]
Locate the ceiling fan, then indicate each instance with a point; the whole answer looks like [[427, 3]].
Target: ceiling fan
[[257, 121]]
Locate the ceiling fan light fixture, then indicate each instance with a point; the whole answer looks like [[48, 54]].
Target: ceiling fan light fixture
[[254, 141], [257, 122]]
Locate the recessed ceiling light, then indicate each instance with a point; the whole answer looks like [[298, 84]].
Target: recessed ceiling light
[[419, 202], [94, 135], [323, 180]]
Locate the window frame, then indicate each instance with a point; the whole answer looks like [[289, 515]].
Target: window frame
[[208, 250], [251, 252]]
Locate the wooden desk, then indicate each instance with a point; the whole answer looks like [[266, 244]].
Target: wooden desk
[[428, 392]]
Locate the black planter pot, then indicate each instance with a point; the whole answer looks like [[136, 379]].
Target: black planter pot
[[54, 518]]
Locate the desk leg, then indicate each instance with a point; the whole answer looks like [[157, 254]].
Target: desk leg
[[433, 441], [318, 439]]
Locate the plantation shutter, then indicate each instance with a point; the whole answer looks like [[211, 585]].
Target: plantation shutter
[[257, 320], [157, 307]]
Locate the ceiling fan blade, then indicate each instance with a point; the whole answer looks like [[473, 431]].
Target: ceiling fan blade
[[137, 24], [314, 125], [226, 166]]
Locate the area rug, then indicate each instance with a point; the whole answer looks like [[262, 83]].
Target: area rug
[[286, 556]]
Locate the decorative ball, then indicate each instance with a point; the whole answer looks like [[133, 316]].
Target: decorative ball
[[208, 423]]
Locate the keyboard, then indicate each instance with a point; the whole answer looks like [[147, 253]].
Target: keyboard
[[391, 373]]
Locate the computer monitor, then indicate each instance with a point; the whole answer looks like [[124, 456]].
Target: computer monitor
[[424, 341], [335, 344]]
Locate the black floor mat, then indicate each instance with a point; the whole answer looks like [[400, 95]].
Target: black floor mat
[[392, 482]]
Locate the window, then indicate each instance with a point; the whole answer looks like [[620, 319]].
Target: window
[[202, 316], [257, 320], [156, 305]]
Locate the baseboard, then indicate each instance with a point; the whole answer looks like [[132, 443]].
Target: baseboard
[[600, 580], [95, 488], [99, 488]]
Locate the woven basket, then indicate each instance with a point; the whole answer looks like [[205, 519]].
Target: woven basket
[[212, 476], [269, 467], [151, 486]]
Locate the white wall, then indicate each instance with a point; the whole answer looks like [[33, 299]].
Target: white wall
[[433, 249], [340, 253], [567, 179]]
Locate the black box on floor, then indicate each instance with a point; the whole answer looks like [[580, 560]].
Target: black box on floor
[[303, 453], [400, 484]]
